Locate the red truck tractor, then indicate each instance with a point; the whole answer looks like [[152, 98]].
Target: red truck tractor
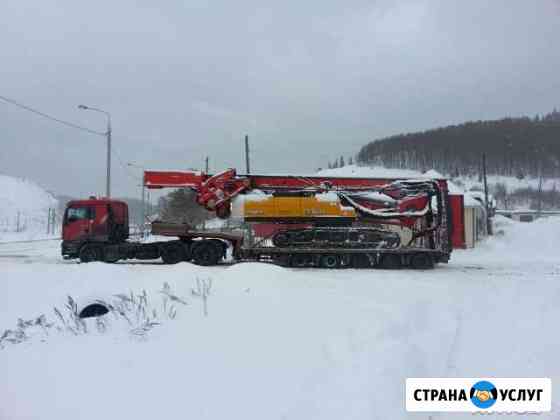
[[330, 222], [98, 230]]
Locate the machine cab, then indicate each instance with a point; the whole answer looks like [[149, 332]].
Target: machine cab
[[95, 220]]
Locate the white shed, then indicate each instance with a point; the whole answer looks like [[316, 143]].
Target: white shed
[[475, 220]]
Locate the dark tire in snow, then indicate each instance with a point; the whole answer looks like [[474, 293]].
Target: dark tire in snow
[[172, 252], [206, 253], [93, 310], [90, 253]]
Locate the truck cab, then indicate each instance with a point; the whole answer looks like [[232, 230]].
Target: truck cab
[[95, 220]]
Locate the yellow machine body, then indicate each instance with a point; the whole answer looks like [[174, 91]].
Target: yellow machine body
[[297, 208]]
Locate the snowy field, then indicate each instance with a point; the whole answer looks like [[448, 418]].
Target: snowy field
[[275, 343]]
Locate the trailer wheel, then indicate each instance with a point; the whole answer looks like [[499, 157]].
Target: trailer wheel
[[390, 261], [360, 261], [172, 253], [221, 246], [421, 262], [300, 260], [346, 261], [90, 253], [206, 253], [329, 261]]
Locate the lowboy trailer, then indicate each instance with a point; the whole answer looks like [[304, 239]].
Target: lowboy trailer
[[330, 222]]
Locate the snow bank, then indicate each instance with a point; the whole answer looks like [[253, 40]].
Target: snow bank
[[24, 208]]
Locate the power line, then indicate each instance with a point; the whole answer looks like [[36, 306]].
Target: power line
[[124, 166], [69, 124]]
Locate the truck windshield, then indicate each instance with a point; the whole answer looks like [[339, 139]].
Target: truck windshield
[[80, 213]]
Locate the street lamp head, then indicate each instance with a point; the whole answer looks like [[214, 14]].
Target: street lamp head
[[82, 107]]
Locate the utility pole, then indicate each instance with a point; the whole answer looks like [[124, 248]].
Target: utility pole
[[247, 166], [206, 165], [143, 212], [540, 193], [488, 222]]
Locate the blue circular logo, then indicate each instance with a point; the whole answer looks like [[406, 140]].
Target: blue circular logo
[[483, 394]]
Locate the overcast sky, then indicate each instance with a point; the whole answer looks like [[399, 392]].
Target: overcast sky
[[307, 80]]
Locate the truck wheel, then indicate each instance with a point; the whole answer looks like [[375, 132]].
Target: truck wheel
[[111, 254], [421, 262], [329, 261], [205, 253], [360, 261], [90, 253], [300, 260], [390, 262], [172, 253]]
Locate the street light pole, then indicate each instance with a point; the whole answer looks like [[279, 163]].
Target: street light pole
[[108, 135]]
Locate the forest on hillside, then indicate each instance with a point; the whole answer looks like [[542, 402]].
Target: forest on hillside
[[520, 147]]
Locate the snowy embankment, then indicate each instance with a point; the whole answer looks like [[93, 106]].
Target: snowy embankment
[[279, 343], [24, 209]]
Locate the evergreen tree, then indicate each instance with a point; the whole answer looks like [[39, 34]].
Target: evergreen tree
[[179, 206]]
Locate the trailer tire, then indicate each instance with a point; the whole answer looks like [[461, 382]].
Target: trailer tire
[[390, 262], [421, 261], [360, 261], [89, 253], [172, 253], [345, 261], [221, 246], [300, 260], [329, 261], [206, 253]]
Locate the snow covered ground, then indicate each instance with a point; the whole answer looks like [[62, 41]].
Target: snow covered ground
[[277, 343]]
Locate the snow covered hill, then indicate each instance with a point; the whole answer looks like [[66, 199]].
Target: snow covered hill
[[24, 209], [275, 343]]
